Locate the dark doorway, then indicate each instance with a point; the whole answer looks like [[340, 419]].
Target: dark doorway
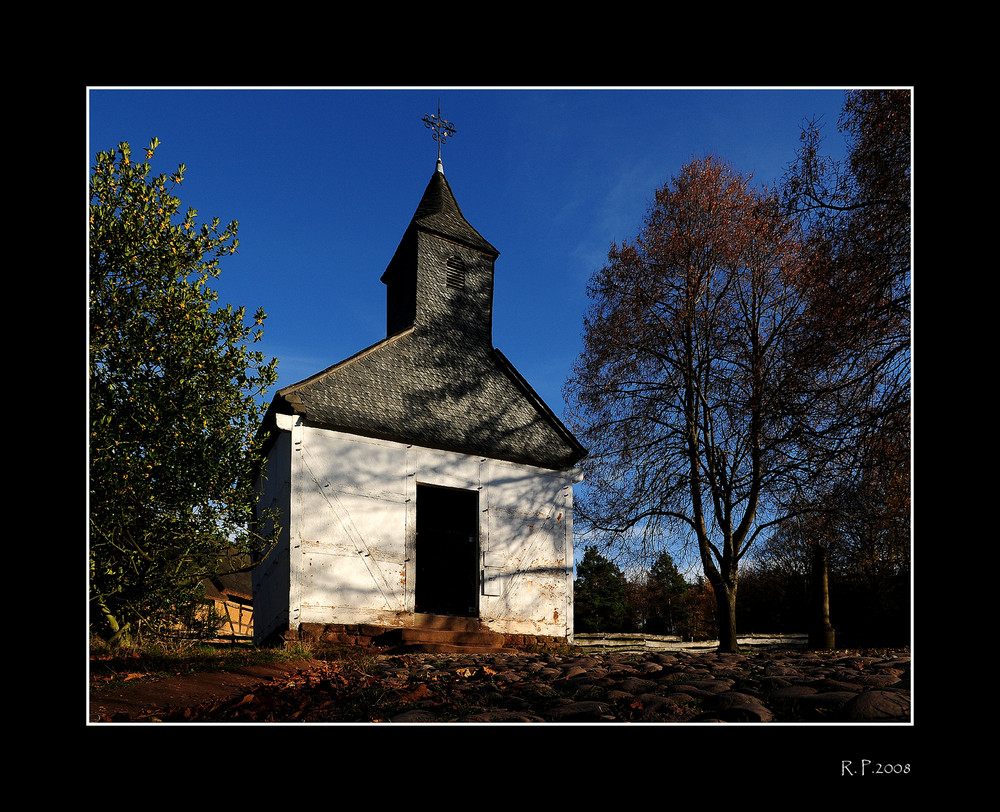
[[447, 551]]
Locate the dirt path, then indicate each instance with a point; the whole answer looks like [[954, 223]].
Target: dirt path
[[139, 699]]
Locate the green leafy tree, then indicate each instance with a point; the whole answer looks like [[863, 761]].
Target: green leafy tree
[[599, 595], [176, 397]]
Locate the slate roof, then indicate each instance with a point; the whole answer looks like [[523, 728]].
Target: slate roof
[[438, 213], [437, 384]]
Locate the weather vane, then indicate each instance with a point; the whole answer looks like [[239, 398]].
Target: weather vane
[[441, 129]]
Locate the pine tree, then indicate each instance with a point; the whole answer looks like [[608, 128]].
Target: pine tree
[[598, 595], [666, 589]]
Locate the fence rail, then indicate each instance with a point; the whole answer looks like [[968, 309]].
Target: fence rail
[[630, 643]]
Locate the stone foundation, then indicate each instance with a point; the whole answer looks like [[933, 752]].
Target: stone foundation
[[365, 635]]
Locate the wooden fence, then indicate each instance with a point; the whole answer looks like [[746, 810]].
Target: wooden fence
[[638, 643]]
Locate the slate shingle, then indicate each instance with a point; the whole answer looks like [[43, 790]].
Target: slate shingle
[[437, 381]]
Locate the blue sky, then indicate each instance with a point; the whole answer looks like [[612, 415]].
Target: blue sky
[[324, 181]]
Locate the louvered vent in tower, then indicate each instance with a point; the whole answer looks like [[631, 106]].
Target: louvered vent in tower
[[455, 276]]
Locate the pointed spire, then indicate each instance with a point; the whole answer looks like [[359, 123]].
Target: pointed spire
[[439, 212]]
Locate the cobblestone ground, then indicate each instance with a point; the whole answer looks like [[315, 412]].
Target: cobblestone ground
[[766, 686]]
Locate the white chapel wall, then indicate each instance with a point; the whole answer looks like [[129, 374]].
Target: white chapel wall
[[351, 537]]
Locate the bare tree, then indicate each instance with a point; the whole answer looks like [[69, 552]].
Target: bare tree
[[856, 215], [700, 379]]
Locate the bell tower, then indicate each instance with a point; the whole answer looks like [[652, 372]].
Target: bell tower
[[440, 279]]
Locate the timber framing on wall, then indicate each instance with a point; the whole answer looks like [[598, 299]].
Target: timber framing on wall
[[422, 475]]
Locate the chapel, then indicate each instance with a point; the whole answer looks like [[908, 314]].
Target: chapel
[[422, 482]]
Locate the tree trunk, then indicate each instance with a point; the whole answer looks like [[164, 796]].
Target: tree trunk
[[120, 634], [822, 634], [725, 616]]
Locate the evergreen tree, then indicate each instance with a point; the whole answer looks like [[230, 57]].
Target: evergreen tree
[[598, 595], [666, 589]]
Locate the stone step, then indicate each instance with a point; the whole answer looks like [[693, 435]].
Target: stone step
[[442, 648], [458, 638], [442, 633], [481, 637], [455, 623]]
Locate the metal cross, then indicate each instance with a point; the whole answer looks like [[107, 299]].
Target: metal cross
[[442, 129]]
